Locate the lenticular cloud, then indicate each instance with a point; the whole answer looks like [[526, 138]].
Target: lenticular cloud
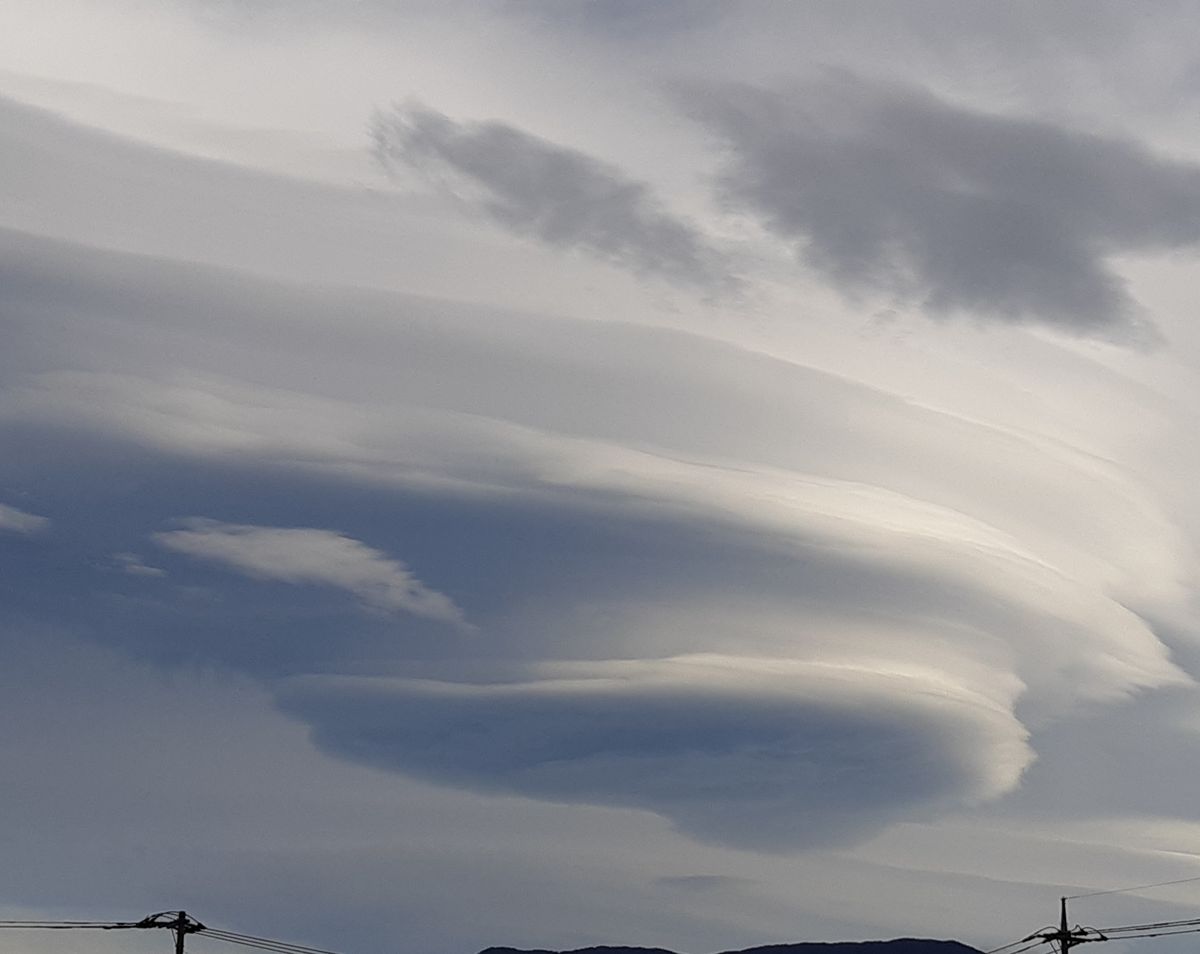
[[754, 752], [772, 603]]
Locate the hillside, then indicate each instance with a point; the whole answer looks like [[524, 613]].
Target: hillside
[[904, 945]]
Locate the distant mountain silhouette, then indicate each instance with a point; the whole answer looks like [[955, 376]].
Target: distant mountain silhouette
[[902, 945]]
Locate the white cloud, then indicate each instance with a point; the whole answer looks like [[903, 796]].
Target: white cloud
[[18, 521], [134, 565], [1002, 543], [305, 555]]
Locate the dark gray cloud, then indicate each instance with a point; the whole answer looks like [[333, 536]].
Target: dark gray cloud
[[559, 196], [755, 753], [889, 188]]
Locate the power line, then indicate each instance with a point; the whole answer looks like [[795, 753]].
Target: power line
[[1000, 950], [1065, 936], [180, 924], [1155, 926], [68, 925], [237, 937], [1019, 950], [1136, 887], [262, 943], [1125, 937], [1024, 940], [274, 949], [1060, 938]]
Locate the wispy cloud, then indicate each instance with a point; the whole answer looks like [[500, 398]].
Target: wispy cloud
[[313, 556], [557, 195], [13, 520], [134, 565]]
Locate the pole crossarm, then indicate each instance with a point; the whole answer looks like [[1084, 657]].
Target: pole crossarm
[[179, 923], [170, 920], [1067, 937]]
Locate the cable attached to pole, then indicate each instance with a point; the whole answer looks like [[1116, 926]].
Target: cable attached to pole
[[1136, 887]]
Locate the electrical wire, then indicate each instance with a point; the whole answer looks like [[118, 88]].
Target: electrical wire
[[998, 950], [1152, 926], [238, 937], [1024, 940], [1027, 947], [67, 925], [260, 943], [274, 946], [1136, 887], [270, 945], [1126, 937], [252, 944]]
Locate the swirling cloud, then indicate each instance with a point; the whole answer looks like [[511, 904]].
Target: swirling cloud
[[666, 538], [759, 752]]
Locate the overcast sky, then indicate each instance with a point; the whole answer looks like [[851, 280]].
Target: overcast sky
[[682, 473]]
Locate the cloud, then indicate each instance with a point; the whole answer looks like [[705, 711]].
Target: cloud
[[847, 549], [889, 188], [702, 883], [755, 752], [13, 520], [603, 491], [559, 196], [850, 500], [134, 565], [307, 555], [901, 550], [629, 22]]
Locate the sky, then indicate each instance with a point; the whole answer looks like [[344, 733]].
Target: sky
[[545, 474]]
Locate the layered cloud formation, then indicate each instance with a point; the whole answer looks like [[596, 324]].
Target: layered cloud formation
[[589, 491], [763, 752], [777, 605]]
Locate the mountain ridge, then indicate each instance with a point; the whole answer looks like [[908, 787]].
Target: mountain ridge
[[900, 945]]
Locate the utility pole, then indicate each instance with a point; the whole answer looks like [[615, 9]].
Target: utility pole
[[1066, 936], [181, 925], [177, 922]]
